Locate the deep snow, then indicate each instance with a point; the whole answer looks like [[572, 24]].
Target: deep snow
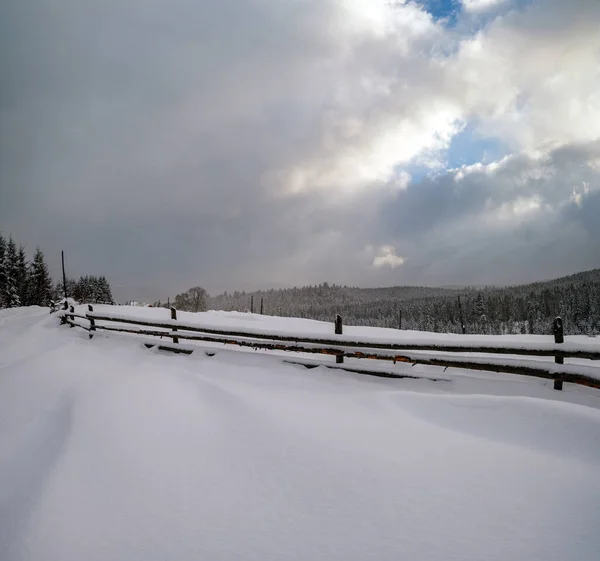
[[254, 324], [111, 451]]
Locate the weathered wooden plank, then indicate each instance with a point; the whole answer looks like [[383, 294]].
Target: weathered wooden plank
[[347, 342], [540, 370]]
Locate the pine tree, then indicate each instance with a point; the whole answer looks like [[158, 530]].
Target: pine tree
[[531, 315], [2, 271], [106, 293], [59, 291], [22, 277], [40, 282], [11, 290]]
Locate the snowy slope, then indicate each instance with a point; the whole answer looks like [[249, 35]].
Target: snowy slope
[[111, 451]]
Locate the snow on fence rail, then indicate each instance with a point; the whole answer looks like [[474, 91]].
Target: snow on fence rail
[[438, 353]]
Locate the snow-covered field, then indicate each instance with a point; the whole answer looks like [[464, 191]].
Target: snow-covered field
[[110, 451], [298, 327]]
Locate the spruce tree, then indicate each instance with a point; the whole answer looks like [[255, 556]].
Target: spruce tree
[[105, 291], [11, 290], [41, 283], [22, 277], [2, 271], [59, 290]]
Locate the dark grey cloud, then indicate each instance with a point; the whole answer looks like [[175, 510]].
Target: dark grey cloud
[[523, 218], [248, 143]]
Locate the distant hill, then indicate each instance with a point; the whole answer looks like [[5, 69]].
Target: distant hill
[[528, 308]]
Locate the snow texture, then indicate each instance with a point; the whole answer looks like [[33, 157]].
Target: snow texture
[[111, 451], [256, 324]]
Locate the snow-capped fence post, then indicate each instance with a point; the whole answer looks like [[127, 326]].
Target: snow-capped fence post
[[174, 316], [92, 321], [72, 309], [558, 338], [63, 318], [339, 359]]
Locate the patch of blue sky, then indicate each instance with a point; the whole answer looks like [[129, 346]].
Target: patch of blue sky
[[467, 147], [444, 10], [453, 14]]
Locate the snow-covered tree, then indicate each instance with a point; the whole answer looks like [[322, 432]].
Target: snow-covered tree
[[40, 283], [91, 290], [11, 273], [22, 277], [105, 291], [2, 271], [59, 291]]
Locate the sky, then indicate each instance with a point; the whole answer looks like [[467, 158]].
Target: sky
[[247, 144]]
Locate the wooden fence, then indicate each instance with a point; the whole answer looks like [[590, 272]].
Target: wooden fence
[[439, 354]]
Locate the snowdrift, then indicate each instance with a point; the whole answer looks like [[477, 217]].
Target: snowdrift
[[111, 451]]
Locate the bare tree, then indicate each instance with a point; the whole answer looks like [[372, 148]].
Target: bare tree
[[194, 300], [198, 298]]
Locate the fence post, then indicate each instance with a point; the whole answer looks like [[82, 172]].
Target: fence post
[[63, 319], [261, 307], [251, 304], [72, 309], [92, 321], [558, 338], [174, 316], [400, 319], [339, 359]]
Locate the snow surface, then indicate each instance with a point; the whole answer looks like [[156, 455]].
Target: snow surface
[[111, 451], [252, 326], [256, 324]]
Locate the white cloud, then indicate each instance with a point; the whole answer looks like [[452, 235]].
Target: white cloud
[[284, 128], [386, 257], [519, 208], [480, 5], [531, 78]]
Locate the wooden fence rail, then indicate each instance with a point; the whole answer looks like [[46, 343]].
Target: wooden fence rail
[[344, 346]]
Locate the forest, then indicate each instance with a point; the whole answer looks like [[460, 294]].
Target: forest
[[28, 283], [522, 309], [519, 309]]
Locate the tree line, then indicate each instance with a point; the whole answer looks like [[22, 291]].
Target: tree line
[[29, 283], [519, 309]]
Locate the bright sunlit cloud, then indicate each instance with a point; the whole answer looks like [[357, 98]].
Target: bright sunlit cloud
[[274, 140], [386, 257]]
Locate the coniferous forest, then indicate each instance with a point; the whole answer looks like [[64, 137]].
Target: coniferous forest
[[520, 309], [28, 283]]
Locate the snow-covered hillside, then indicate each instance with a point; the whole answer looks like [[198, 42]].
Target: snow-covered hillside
[[111, 451]]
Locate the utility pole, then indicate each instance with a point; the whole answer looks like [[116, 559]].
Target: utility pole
[[62, 253]]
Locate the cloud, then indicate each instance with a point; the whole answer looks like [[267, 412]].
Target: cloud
[[480, 5], [531, 77], [490, 222], [387, 257], [250, 143]]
